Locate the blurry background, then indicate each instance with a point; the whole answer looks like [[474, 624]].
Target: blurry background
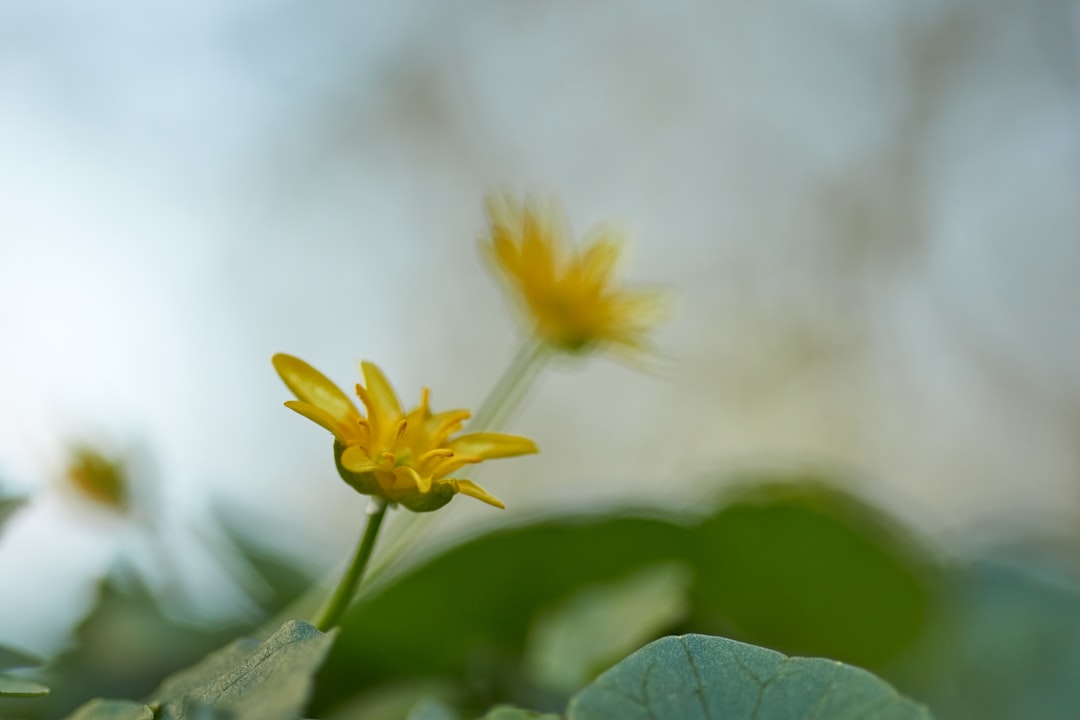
[[867, 214]]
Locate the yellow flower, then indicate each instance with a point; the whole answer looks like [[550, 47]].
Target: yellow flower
[[569, 292], [400, 457], [99, 478]]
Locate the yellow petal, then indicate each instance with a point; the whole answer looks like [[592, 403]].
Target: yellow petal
[[600, 257], [356, 460], [346, 433], [385, 406], [408, 477], [416, 421], [490, 445], [444, 424], [640, 310], [504, 253], [468, 487], [448, 465], [311, 386], [540, 240]]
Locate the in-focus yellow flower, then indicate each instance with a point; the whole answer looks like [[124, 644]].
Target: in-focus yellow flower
[[568, 292], [401, 457], [98, 478]]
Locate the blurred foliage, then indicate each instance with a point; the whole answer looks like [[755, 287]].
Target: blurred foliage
[[811, 571], [246, 680], [770, 562], [8, 506], [506, 712], [466, 613], [100, 709], [124, 647], [128, 642], [1004, 643], [599, 625], [528, 616], [16, 686], [413, 699]]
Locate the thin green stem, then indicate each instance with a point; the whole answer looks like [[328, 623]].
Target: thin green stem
[[511, 386], [330, 614]]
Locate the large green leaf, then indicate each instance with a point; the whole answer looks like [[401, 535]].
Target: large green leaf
[[472, 606], [810, 571], [696, 676], [249, 680], [792, 566]]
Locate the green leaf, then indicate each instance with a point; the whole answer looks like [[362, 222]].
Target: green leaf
[[154, 646], [809, 570], [17, 687], [11, 658], [600, 624], [394, 701], [790, 565], [696, 676], [1006, 642], [506, 712], [473, 605], [248, 680], [112, 710]]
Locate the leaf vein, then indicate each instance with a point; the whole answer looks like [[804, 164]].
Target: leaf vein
[[699, 683], [250, 666]]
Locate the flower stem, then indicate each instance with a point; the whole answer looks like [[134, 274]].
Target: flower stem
[[511, 386], [330, 614]]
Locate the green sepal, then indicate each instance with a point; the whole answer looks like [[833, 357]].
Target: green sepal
[[439, 495], [363, 483]]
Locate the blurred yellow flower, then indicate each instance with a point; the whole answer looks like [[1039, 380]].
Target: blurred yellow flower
[[98, 478], [568, 292], [400, 457]]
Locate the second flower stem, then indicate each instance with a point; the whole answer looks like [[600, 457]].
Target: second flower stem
[[511, 386], [330, 614]]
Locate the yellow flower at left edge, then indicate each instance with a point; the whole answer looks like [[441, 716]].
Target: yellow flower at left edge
[[401, 457]]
